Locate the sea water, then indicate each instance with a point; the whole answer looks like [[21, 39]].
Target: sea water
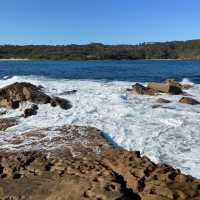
[[167, 134]]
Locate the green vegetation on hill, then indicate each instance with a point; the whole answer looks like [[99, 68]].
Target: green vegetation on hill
[[96, 51]]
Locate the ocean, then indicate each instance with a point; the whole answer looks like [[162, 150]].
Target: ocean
[[168, 134]]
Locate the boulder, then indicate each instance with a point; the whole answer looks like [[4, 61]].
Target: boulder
[[29, 112], [177, 84], [12, 95], [14, 104], [161, 100], [165, 88], [140, 89], [188, 100], [22, 92], [63, 103], [186, 86], [173, 82]]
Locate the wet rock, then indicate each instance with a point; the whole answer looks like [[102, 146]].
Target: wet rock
[[165, 88], [177, 84], [34, 107], [161, 100], [188, 100], [7, 122], [68, 92], [186, 86], [12, 95], [14, 104], [63, 103], [29, 112], [140, 89], [93, 170], [22, 92]]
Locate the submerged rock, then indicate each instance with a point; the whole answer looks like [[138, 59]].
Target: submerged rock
[[188, 100], [63, 103], [177, 84], [161, 100]]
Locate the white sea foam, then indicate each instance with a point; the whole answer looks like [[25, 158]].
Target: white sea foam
[[168, 135]]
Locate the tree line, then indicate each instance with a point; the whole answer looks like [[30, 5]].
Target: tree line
[[97, 51]]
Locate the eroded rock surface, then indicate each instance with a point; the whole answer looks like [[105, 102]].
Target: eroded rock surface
[[83, 165], [12, 95]]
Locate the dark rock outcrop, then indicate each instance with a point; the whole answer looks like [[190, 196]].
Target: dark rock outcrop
[[63, 103], [7, 122], [12, 95], [188, 100]]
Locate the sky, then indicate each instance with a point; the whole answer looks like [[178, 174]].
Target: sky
[[105, 21]]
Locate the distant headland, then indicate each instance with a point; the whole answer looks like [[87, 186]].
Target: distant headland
[[180, 50]]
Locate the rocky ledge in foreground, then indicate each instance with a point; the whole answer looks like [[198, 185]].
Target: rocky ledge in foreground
[[79, 163]]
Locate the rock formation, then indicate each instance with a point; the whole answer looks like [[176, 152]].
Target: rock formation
[[161, 100], [140, 89], [7, 122], [165, 88], [83, 165], [188, 100], [12, 95]]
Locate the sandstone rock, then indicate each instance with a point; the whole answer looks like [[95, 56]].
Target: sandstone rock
[[188, 100], [108, 174], [34, 107], [165, 88], [186, 86], [12, 95], [177, 84], [140, 89], [161, 100], [7, 122], [173, 82]]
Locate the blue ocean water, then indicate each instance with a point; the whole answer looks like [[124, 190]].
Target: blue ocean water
[[166, 134], [142, 71]]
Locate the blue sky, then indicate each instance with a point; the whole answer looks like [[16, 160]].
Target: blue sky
[[106, 21]]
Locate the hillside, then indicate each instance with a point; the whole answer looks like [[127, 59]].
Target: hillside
[[96, 51]]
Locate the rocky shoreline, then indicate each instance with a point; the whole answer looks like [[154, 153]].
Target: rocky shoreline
[[80, 162]]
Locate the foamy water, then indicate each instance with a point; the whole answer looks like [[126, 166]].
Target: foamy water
[[169, 134]]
